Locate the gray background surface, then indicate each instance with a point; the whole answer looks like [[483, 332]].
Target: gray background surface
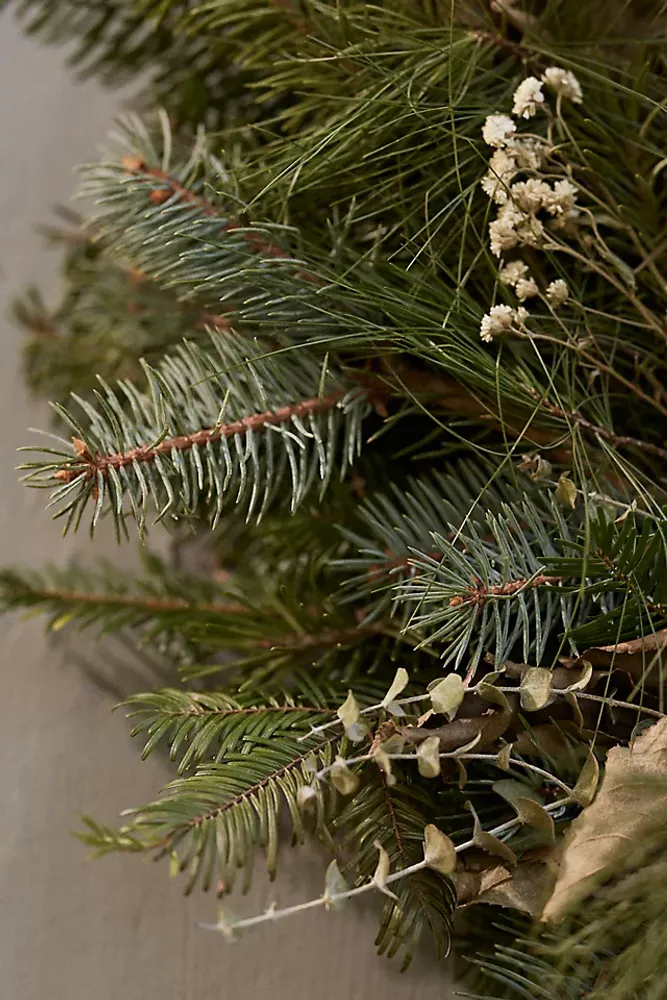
[[72, 929]]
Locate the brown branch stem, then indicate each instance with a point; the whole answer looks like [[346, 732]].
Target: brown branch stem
[[174, 188], [92, 464], [153, 605], [253, 790], [479, 593], [256, 710], [619, 440]]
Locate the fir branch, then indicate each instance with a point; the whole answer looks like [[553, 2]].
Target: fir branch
[[171, 187], [214, 820], [100, 464], [209, 726], [161, 603], [186, 416]]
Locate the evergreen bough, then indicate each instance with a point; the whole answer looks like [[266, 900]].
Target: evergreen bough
[[373, 300]]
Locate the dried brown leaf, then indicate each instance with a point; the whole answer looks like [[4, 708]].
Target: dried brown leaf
[[587, 782], [627, 806], [525, 888], [639, 657]]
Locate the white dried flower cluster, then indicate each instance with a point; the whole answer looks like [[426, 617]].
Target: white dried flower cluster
[[557, 293], [520, 202], [500, 320], [502, 169], [526, 288], [513, 228], [531, 152], [528, 97], [564, 83], [531, 195], [498, 130], [563, 204], [513, 272], [503, 233]]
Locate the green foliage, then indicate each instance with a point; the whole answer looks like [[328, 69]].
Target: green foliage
[[285, 312], [105, 322], [202, 431], [214, 819], [396, 817], [160, 603]]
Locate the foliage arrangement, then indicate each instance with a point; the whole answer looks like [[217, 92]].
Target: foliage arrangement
[[375, 304]]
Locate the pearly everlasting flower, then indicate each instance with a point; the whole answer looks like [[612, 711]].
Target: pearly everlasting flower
[[502, 231], [564, 83], [527, 97], [531, 195], [526, 288], [513, 272], [498, 320], [497, 130], [530, 230], [562, 200], [557, 293], [521, 315], [530, 153], [502, 168]]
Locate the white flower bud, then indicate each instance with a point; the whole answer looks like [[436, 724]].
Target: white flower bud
[[528, 97], [564, 83], [557, 293], [497, 130]]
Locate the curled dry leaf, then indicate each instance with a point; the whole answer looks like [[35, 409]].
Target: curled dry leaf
[[382, 871], [577, 716], [535, 688], [349, 714], [627, 808], [488, 842], [584, 680], [447, 695], [428, 757], [524, 888], [463, 774], [343, 779], [439, 851], [566, 492], [504, 756], [534, 814], [334, 886], [513, 791], [587, 782], [641, 657], [527, 804], [383, 761], [491, 694], [398, 685]]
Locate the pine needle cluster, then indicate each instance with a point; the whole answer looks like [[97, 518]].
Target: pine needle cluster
[[373, 301]]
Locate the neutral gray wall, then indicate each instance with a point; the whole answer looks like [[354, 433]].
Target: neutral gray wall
[[72, 929]]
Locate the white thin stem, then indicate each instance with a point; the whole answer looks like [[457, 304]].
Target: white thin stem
[[453, 755], [613, 702], [230, 927], [365, 711]]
